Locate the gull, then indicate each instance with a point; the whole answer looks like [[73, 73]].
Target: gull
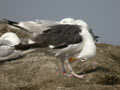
[[32, 28], [8, 40], [67, 41]]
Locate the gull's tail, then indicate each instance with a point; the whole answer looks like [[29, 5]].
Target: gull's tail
[[15, 24], [27, 46], [10, 22]]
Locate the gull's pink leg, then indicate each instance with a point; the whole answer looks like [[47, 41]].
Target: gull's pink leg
[[63, 70], [72, 72]]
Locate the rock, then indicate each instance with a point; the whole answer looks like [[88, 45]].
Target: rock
[[42, 71]]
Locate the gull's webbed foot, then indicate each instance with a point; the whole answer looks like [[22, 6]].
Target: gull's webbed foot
[[72, 72]]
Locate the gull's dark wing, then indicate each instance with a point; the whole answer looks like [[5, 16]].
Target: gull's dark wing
[[59, 36]]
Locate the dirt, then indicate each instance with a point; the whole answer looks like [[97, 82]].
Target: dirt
[[42, 71]]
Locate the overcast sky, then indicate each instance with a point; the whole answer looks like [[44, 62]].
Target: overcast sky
[[103, 16]]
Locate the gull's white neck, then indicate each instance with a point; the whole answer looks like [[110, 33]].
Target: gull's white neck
[[89, 47]]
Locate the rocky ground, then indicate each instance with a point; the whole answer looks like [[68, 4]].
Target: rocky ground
[[42, 71]]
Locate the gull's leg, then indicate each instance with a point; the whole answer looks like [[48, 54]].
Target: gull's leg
[[63, 69], [72, 72]]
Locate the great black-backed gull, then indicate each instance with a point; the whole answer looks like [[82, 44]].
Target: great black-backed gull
[[67, 41]]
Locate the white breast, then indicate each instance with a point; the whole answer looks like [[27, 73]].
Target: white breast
[[89, 47]]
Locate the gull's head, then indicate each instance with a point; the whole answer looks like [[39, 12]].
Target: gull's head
[[67, 21], [12, 37], [81, 23]]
